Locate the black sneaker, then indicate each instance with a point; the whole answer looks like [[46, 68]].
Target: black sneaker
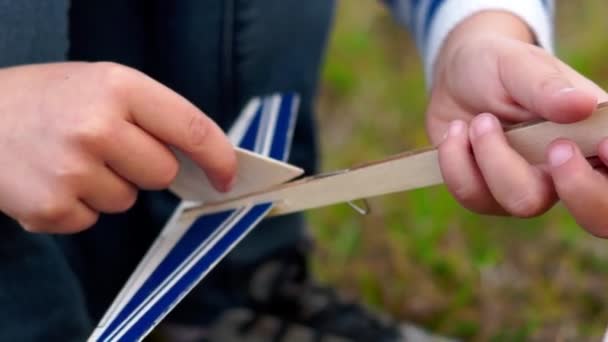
[[284, 304]]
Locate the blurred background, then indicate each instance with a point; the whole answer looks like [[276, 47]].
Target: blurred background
[[418, 255]]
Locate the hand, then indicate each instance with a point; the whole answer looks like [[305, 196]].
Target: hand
[[77, 139], [488, 65]]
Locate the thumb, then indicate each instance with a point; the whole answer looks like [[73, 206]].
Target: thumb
[[543, 85], [581, 189]]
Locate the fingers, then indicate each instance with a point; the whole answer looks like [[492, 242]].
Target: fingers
[[521, 189], [107, 192], [63, 212], [62, 217], [75, 202], [542, 85], [175, 121], [76, 205], [582, 189], [461, 174], [493, 178], [140, 159]]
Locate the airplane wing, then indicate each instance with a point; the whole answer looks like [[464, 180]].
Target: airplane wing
[[189, 246]]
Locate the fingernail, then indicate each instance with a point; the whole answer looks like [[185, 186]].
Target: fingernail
[[228, 186], [223, 186], [483, 124], [564, 91], [560, 154], [557, 86], [456, 128]]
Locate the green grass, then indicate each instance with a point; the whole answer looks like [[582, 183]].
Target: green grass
[[418, 255]]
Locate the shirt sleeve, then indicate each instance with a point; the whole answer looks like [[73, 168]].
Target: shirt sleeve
[[430, 21]]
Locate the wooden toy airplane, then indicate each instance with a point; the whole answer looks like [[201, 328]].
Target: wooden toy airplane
[[207, 224]]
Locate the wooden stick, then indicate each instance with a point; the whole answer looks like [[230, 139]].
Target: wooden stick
[[410, 170]]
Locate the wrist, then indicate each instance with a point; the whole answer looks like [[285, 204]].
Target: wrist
[[491, 22]]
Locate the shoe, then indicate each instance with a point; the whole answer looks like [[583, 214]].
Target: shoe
[[284, 304]]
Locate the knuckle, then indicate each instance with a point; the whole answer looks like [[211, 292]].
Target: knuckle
[[81, 224], [51, 212], [113, 77], [198, 129], [73, 173], [94, 132]]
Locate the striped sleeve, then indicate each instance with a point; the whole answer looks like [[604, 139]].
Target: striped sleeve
[[430, 21]]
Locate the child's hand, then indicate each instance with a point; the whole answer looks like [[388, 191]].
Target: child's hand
[[489, 74]]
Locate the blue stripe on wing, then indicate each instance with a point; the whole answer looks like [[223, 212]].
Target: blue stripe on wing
[[283, 129], [166, 302], [196, 236], [281, 132], [249, 138]]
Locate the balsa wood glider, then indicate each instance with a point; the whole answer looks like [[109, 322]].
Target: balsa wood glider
[[207, 224]]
